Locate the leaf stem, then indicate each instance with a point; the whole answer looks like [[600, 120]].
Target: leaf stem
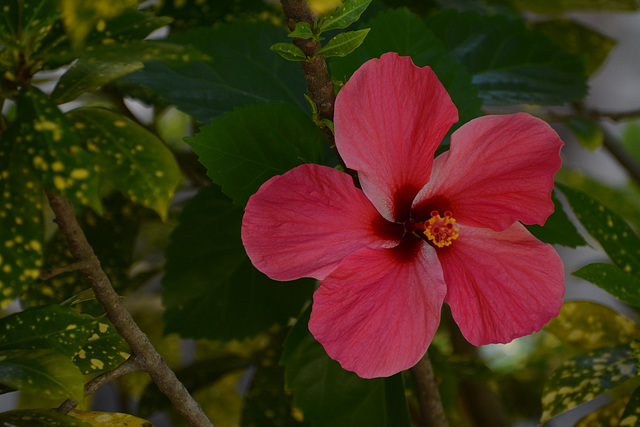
[[74, 266], [316, 73], [140, 345], [426, 387]]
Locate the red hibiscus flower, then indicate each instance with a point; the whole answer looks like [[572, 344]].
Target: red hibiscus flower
[[421, 231]]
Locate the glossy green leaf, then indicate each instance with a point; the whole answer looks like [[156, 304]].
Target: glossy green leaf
[[132, 159], [249, 145], [557, 6], [60, 329], [227, 297], [605, 416], [617, 238], [330, 396], [589, 325], [113, 237], [128, 25], [41, 372], [585, 377], [624, 200], [511, 64], [344, 16], [289, 51], [613, 280], [558, 229], [241, 73], [587, 132], [55, 151], [631, 415], [40, 418], [403, 32], [80, 16], [343, 44], [104, 350], [84, 76], [21, 222], [303, 31], [631, 139], [189, 14], [578, 39], [109, 419]]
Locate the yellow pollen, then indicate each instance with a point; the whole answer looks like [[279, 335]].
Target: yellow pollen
[[441, 230]]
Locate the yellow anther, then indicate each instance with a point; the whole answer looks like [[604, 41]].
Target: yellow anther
[[441, 230]]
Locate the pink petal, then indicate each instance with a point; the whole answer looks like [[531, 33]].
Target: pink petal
[[378, 311], [389, 119], [303, 223], [499, 170], [501, 285]]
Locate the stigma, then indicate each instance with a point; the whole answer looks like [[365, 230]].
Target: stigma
[[441, 230]]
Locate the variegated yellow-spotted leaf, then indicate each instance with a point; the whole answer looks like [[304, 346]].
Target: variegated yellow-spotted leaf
[[109, 419], [80, 16], [132, 159], [589, 325], [583, 378], [56, 328], [41, 372], [39, 418], [605, 416], [54, 150], [21, 220], [103, 351]]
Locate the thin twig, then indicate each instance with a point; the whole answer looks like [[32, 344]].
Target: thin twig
[[621, 155], [74, 266], [140, 345], [132, 364], [428, 395]]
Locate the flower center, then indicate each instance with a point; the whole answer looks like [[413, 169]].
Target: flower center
[[440, 230]]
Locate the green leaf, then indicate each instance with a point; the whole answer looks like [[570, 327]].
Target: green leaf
[[585, 377], [84, 76], [344, 16], [132, 159], [604, 416], [624, 200], [251, 144], [41, 372], [617, 238], [578, 39], [589, 325], [343, 44], [60, 329], [587, 132], [40, 418], [613, 280], [511, 64], [104, 351], [226, 296], [558, 6], [289, 51], [403, 32], [631, 139], [80, 17], [303, 31], [114, 236], [242, 73], [558, 229], [21, 224], [631, 415], [330, 396], [109, 419], [54, 150]]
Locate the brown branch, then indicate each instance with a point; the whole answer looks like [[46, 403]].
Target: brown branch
[[427, 393], [132, 364], [74, 266], [146, 354], [316, 72]]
